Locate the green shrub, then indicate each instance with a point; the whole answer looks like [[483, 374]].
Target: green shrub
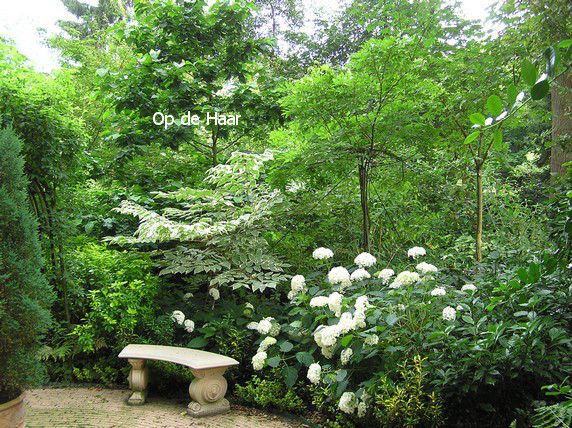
[[486, 348], [270, 393], [407, 404], [24, 292]]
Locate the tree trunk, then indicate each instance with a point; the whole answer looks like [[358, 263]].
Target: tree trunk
[[214, 138], [363, 188], [561, 151], [479, 233]]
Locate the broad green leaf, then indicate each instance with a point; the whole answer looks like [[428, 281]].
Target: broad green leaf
[[494, 104], [477, 119], [286, 347], [89, 227], [534, 272], [567, 55], [341, 375], [512, 93], [341, 388], [305, 358], [551, 55], [565, 43], [471, 137], [540, 90], [346, 340], [497, 139], [528, 72], [274, 361], [290, 376], [520, 314], [198, 342], [522, 275], [467, 319], [391, 319]]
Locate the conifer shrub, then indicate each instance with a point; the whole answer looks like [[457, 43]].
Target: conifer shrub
[[25, 295]]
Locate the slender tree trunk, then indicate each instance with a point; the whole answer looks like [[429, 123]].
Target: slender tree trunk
[[214, 138], [363, 188], [561, 151], [479, 233]]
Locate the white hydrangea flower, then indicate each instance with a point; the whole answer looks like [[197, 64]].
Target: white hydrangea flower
[[264, 326], [401, 307], [359, 319], [328, 351], [292, 295], [405, 278], [258, 360], [469, 287], [385, 274], [248, 305], [275, 330], [187, 296], [329, 335], [314, 373], [252, 325], [346, 323], [339, 275], [298, 283], [178, 317], [365, 260], [189, 326], [359, 275], [266, 343], [426, 268], [319, 301], [322, 253], [361, 409], [416, 252], [362, 303], [372, 340], [449, 313], [335, 303], [346, 355], [214, 293], [439, 291], [348, 402]]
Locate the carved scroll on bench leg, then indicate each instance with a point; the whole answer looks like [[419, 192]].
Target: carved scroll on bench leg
[[138, 379], [207, 392]]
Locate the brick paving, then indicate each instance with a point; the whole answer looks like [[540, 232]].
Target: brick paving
[[107, 408]]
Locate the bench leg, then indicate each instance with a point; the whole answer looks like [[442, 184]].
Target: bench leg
[[207, 392], [138, 378]]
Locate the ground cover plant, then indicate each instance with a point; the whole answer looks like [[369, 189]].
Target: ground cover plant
[[384, 238]]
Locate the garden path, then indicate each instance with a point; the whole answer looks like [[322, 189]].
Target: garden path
[[106, 408]]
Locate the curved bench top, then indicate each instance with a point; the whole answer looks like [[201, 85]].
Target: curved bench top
[[192, 358]]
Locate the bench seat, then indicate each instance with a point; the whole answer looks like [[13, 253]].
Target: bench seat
[[208, 387]]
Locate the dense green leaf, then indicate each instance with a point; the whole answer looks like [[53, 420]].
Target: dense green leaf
[[472, 136], [477, 119], [528, 72], [290, 376], [305, 358], [494, 104], [512, 93], [540, 90], [497, 139]]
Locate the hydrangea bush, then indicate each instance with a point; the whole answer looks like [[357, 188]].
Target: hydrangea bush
[[348, 329]]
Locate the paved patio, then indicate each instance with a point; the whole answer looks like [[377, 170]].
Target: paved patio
[[106, 408]]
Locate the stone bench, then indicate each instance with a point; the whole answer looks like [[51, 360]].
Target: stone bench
[[207, 389]]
